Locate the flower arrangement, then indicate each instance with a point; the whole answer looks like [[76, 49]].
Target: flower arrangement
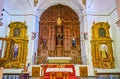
[[85, 35], [34, 35]]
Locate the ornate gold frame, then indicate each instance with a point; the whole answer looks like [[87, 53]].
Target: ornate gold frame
[[101, 40], [21, 39]]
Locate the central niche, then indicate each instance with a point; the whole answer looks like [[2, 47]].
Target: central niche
[[59, 33]]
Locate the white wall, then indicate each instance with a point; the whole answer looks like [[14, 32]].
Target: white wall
[[6, 20], [115, 37]]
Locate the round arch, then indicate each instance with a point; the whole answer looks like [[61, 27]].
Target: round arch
[[75, 5], [60, 36]]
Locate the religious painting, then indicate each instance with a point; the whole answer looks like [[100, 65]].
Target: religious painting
[[102, 32], [16, 32]]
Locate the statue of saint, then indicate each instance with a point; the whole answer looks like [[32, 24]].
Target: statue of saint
[[73, 42], [103, 50], [15, 53], [59, 21], [44, 42]]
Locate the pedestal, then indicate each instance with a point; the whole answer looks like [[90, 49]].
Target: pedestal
[[59, 51]]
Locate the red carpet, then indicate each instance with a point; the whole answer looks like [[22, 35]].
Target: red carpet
[[71, 75]]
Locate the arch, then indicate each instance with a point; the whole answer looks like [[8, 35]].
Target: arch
[[75, 5], [70, 28]]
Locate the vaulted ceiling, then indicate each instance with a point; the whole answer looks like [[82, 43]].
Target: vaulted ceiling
[[92, 6], [100, 6], [19, 4]]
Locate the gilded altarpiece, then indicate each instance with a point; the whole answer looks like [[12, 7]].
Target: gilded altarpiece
[[18, 33], [59, 24], [102, 52]]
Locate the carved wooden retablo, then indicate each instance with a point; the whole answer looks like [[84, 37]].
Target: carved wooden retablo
[[102, 53], [59, 24]]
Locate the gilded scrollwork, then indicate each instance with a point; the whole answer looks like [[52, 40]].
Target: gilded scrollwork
[[18, 33], [102, 53]]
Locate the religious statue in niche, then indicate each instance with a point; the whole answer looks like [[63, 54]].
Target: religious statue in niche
[[44, 42], [59, 32], [104, 51], [73, 42], [16, 32], [102, 32], [15, 52]]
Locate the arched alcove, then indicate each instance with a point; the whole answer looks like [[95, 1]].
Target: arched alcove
[[70, 31]]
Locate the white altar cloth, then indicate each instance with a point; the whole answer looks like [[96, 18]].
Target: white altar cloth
[[59, 70]]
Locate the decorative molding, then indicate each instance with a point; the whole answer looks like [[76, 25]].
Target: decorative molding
[[104, 14], [25, 14], [90, 3]]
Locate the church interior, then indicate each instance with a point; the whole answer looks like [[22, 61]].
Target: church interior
[[59, 39]]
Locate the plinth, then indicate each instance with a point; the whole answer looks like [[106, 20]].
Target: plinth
[[59, 50]]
